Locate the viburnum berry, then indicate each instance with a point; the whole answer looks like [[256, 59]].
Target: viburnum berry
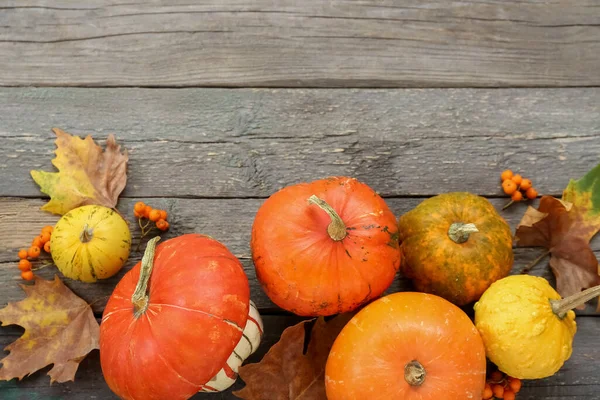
[[139, 207], [498, 391], [37, 242], [509, 187], [48, 228], [162, 225], [27, 275], [44, 237], [496, 376], [531, 193], [487, 392], [525, 184], [508, 394], [23, 254], [47, 247], [517, 196], [155, 218], [507, 174], [24, 265], [515, 384], [33, 252], [154, 215], [517, 179]]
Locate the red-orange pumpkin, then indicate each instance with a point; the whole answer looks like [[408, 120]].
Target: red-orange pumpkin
[[407, 346], [325, 247], [167, 337]]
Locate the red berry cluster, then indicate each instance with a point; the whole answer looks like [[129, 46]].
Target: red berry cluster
[[42, 241], [142, 210], [501, 386]]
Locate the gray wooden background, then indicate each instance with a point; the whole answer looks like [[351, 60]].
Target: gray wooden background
[[221, 103]]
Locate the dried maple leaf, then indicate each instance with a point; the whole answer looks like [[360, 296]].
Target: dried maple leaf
[[87, 175], [285, 372], [60, 329], [565, 227]]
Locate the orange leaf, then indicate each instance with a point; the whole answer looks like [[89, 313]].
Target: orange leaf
[[60, 329], [285, 372], [86, 174]]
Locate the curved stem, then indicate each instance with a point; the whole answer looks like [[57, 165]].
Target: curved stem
[[140, 297], [535, 262], [510, 203], [337, 228], [414, 373], [459, 232], [562, 306], [87, 234]]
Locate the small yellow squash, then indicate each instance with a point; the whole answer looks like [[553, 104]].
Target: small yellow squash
[[526, 327], [90, 242]]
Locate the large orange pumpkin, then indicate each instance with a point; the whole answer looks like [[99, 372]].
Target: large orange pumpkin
[[173, 321], [455, 245], [325, 247], [407, 346]]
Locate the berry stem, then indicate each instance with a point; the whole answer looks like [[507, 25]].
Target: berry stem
[[98, 300], [144, 232], [44, 265], [535, 262], [510, 203]]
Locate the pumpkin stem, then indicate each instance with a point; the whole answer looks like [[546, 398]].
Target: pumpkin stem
[[459, 232], [140, 297], [414, 373], [87, 234], [562, 306], [337, 228]]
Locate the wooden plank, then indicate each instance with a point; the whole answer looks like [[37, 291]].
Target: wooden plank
[[284, 43], [89, 382], [229, 221], [250, 143], [577, 380]]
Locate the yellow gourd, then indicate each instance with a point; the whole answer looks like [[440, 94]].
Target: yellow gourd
[[526, 327], [90, 242]]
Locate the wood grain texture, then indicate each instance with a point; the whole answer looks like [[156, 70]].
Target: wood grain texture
[[250, 143], [285, 43], [577, 380], [229, 221], [89, 382]]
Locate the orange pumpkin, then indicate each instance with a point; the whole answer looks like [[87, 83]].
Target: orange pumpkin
[[455, 245], [174, 321], [325, 247], [407, 346]]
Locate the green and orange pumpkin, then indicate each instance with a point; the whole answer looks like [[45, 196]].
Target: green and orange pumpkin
[[455, 245]]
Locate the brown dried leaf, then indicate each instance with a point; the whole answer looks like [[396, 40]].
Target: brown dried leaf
[[565, 230], [87, 175], [285, 373], [60, 329]]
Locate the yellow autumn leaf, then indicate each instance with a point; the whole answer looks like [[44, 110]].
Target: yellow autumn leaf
[[60, 329], [86, 174]]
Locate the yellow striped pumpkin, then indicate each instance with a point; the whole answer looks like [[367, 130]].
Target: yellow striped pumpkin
[[90, 243]]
